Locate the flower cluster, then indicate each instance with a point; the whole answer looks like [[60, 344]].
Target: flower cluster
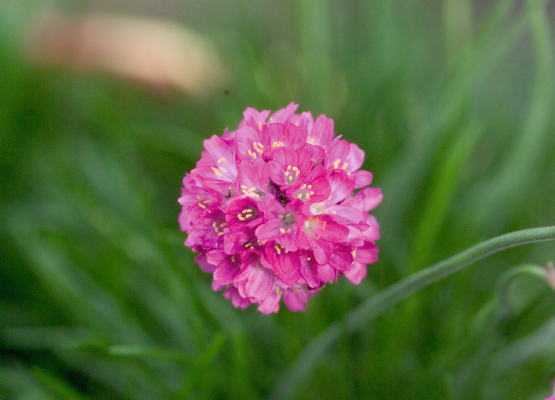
[[271, 211]]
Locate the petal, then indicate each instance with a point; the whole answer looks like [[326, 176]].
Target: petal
[[269, 230], [342, 186], [295, 300], [371, 197], [362, 178], [342, 258], [309, 273], [226, 271], [204, 265], [260, 284], [326, 273], [284, 114], [322, 132], [270, 304], [321, 248], [357, 273], [354, 159]]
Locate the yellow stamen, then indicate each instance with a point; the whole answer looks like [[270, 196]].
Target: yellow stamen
[[202, 206], [216, 172]]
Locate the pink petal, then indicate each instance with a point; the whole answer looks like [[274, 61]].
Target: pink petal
[[326, 273], [259, 284], [322, 132], [357, 273], [309, 273], [270, 304], [226, 271], [371, 197], [362, 178], [204, 265], [284, 114], [342, 258], [295, 301]]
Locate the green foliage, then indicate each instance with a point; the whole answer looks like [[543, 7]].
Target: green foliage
[[100, 299]]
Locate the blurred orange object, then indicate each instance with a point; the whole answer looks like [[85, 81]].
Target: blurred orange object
[[161, 54]]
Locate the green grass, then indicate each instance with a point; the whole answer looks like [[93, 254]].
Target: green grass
[[100, 299]]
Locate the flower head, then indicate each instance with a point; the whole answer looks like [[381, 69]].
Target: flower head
[[271, 210]]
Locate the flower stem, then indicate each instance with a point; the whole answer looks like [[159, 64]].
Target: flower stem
[[376, 305]]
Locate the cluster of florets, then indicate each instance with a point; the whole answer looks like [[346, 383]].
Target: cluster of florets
[[270, 209]]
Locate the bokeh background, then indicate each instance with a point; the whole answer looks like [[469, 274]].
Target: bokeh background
[[452, 101]]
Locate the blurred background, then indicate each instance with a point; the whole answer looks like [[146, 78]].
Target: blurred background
[[104, 105]]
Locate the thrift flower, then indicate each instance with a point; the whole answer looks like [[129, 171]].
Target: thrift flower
[[272, 212]]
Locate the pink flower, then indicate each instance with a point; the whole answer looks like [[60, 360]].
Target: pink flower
[[271, 210]]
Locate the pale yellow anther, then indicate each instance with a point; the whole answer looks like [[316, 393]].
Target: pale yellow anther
[[207, 201], [344, 166], [216, 172], [222, 160], [308, 258], [299, 195], [288, 230], [259, 125], [282, 230], [329, 198], [309, 186], [324, 225], [214, 224], [221, 233], [240, 217], [333, 212], [291, 178], [260, 145], [311, 192], [223, 169], [233, 258], [310, 140], [248, 245], [202, 206], [271, 120], [200, 197], [224, 224], [243, 187], [288, 167], [336, 163], [277, 249], [303, 185], [248, 215]]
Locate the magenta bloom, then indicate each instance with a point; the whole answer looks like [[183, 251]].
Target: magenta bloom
[[271, 210]]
